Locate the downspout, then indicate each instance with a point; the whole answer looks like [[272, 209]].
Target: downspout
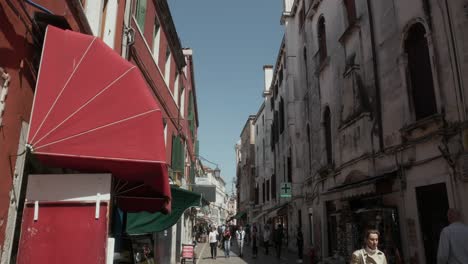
[[457, 68], [128, 36], [376, 78], [39, 7]]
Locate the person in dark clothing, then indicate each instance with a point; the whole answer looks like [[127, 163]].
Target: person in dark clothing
[[278, 239], [254, 242], [300, 242]]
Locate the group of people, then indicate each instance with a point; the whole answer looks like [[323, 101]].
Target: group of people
[[453, 243], [223, 236]]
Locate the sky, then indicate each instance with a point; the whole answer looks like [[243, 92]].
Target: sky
[[231, 41]]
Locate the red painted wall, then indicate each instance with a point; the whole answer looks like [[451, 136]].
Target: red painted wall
[[64, 233], [16, 50]]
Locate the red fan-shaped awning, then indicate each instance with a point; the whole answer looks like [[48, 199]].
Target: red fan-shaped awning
[[93, 112]]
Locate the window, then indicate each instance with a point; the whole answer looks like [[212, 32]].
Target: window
[[420, 73], [167, 68], [156, 40], [182, 102], [273, 186], [140, 14], [350, 11], [165, 131], [263, 191], [268, 190], [176, 88], [322, 39], [281, 116], [327, 128], [289, 168]]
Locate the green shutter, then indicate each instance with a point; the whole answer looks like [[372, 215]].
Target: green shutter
[[141, 14], [175, 152], [197, 147], [192, 173], [182, 157]]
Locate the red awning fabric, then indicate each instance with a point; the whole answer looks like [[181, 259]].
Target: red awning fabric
[[93, 112]]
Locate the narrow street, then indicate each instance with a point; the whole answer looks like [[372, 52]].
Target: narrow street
[[204, 255]]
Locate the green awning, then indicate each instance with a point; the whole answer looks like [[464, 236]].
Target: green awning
[[239, 215], [144, 222]]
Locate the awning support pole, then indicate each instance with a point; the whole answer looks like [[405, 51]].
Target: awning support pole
[[36, 210], [98, 205]]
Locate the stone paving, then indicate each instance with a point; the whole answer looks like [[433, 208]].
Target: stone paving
[[204, 256]]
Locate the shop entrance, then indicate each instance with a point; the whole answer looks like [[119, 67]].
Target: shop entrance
[[432, 204]]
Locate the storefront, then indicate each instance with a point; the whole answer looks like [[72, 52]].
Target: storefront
[[357, 207], [83, 120]]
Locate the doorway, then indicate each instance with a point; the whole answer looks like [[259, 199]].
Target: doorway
[[432, 201]]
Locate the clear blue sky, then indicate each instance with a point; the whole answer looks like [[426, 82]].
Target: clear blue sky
[[231, 41]]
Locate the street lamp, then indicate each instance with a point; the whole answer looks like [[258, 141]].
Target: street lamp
[[217, 171]]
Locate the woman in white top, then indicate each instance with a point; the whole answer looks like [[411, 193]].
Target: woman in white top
[[212, 238]]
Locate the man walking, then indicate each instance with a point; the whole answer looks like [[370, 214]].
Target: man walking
[[278, 239], [240, 236], [300, 243], [370, 253], [453, 242], [227, 242]]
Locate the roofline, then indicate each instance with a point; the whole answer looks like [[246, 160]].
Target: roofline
[[168, 24], [251, 117], [192, 77]]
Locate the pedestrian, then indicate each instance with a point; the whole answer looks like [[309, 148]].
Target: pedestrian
[[212, 237], [240, 236], [254, 242], [227, 242], [278, 239], [266, 238], [300, 243], [453, 242], [369, 253]]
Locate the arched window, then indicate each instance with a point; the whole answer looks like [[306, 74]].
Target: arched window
[[420, 72], [328, 137], [322, 39]]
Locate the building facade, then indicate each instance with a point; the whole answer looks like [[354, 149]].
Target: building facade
[[374, 109], [143, 33], [245, 171]]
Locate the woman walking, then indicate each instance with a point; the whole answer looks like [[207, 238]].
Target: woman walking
[[213, 238]]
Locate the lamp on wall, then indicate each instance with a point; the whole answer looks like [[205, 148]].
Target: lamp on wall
[[217, 171]]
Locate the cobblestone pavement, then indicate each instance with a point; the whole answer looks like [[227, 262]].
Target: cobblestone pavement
[[204, 256]]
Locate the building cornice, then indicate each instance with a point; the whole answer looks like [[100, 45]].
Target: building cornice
[[169, 27]]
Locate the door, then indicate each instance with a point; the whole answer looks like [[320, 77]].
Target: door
[[432, 204]]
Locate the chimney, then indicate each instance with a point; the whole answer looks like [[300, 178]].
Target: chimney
[[268, 70]]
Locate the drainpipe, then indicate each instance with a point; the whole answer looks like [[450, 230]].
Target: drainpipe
[[128, 36], [376, 77], [39, 7], [3, 92], [457, 68]]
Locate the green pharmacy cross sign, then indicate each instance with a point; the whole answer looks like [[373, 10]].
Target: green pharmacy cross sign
[[285, 190]]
